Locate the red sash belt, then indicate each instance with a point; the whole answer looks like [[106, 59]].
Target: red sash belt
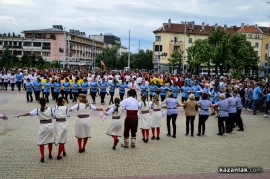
[[131, 113]]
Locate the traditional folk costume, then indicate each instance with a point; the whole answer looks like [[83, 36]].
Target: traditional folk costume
[[144, 120], [82, 126], [115, 127], [61, 113], [45, 131], [130, 104], [156, 119]]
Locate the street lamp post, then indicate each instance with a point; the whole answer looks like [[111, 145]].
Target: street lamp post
[[158, 55], [185, 32]]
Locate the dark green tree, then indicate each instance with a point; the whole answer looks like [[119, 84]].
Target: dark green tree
[[7, 58], [219, 40], [243, 56], [25, 61], [175, 60]]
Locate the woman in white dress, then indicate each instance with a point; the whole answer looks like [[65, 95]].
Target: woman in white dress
[[156, 116], [61, 113], [82, 126], [46, 127], [115, 128], [144, 118]]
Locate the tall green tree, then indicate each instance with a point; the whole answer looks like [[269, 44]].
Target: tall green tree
[[25, 61], [109, 56], [175, 60], [7, 58], [219, 40], [243, 56]]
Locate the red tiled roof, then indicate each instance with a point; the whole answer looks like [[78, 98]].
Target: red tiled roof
[[180, 28], [250, 29]]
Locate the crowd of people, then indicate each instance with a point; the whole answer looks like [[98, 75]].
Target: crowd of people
[[149, 97]]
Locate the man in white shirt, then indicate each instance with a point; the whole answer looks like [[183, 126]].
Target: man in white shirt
[[130, 104]]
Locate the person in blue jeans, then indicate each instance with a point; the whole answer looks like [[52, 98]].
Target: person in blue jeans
[[29, 90], [257, 94]]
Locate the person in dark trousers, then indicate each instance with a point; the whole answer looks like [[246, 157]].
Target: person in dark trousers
[[191, 108], [131, 121], [29, 90], [239, 121], [204, 104], [37, 89], [103, 91], [223, 113], [93, 90], [172, 113]]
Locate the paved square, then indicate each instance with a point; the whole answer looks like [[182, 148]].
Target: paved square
[[183, 157]]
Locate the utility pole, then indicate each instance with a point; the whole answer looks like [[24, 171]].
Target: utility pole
[[139, 45], [158, 55], [129, 49]]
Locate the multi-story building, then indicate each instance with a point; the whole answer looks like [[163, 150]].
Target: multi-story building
[[110, 40], [54, 44], [175, 36]]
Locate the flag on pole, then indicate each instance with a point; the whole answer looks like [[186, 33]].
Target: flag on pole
[[103, 64]]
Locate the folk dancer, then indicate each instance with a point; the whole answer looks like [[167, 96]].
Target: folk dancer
[[144, 118], [130, 104], [83, 122], [46, 127]]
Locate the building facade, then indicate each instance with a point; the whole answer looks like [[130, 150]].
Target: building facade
[[54, 44], [175, 36]]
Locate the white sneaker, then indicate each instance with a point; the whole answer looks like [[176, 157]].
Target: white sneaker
[[265, 115]]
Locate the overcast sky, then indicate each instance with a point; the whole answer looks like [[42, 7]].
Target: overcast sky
[[119, 16]]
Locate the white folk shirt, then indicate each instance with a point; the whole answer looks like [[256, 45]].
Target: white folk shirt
[[133, 85], [6, 78], [129, 103], [12, 78]]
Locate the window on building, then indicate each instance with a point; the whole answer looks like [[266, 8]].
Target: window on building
[[37, 44], [46, 54], [14, 43], [158, 48], [256, 52], [266, 46], [46, 44], [257, 45], [1, 42], [265, 57], [27, 44], [20, 43], [190, 40], [5, 43], [158, 38]]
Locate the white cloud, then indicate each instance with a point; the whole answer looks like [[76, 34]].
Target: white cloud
[[118, 16]]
